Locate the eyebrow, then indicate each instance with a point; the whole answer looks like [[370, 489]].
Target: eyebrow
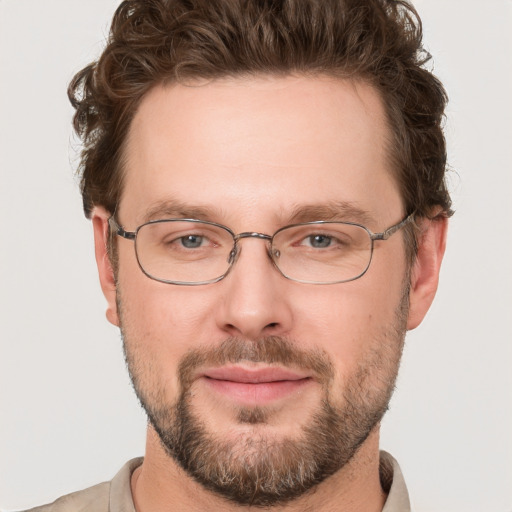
[[172, 208], [342, 211]]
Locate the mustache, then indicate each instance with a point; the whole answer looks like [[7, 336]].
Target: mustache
[[271, 350]]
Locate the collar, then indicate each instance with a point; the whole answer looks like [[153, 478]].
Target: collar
[[391, 479]]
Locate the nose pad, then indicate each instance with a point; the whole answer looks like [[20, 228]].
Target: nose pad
[[274, 254], [234, 254]]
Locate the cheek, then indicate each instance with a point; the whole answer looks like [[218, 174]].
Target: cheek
[[160, 311], [160, 323], [350, 319]]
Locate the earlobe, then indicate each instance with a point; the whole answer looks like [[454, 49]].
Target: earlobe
[[425, 271], [106, 274]]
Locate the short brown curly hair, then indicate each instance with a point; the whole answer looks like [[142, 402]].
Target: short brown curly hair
[[161, 41]]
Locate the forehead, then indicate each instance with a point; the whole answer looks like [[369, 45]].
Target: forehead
[[248, 147]]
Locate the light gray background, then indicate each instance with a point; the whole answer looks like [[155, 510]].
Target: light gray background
[[68, 418]]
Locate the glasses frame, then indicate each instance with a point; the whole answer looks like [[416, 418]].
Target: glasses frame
[[116, 228]]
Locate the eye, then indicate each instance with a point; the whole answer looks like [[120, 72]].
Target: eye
[[330, 240], [187, 241], [192, 241], [318, 241]]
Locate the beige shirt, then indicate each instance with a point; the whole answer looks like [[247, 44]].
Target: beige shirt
[[116, 496]]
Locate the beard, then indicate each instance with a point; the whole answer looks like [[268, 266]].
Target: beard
[[254, 467]]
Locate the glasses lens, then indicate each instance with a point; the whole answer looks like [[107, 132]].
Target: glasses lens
[[183, 251], [329, 252]]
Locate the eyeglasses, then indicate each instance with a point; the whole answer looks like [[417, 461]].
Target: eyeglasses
[[195, 252]]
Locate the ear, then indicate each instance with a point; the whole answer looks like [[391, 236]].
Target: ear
[[106, 274], [425, 271]]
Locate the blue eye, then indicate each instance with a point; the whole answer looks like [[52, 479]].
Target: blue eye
[[191, 241], [319, 241]]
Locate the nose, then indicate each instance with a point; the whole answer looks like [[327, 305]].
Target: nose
[[255, 298]]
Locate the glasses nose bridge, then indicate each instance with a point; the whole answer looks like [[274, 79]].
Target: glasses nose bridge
[[252, 234], [235, 252]]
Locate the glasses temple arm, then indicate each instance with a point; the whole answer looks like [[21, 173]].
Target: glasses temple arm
[[118, 230], [393, 229]]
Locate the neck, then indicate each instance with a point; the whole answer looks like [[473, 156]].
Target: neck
[[160, 485]]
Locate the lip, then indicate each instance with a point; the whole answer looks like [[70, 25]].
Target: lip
[[254, 386], [254, 375]]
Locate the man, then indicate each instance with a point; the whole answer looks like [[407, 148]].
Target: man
[[266, 185]]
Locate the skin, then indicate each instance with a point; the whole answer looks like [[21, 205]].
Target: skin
[[251, 151]]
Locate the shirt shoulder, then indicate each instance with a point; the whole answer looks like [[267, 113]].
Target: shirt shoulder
[[113, 496], [393, 483], [93, 498]]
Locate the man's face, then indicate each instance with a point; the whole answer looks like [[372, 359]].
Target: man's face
[[274, 383]]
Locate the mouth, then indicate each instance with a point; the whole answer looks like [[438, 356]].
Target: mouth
[[255, 386]]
